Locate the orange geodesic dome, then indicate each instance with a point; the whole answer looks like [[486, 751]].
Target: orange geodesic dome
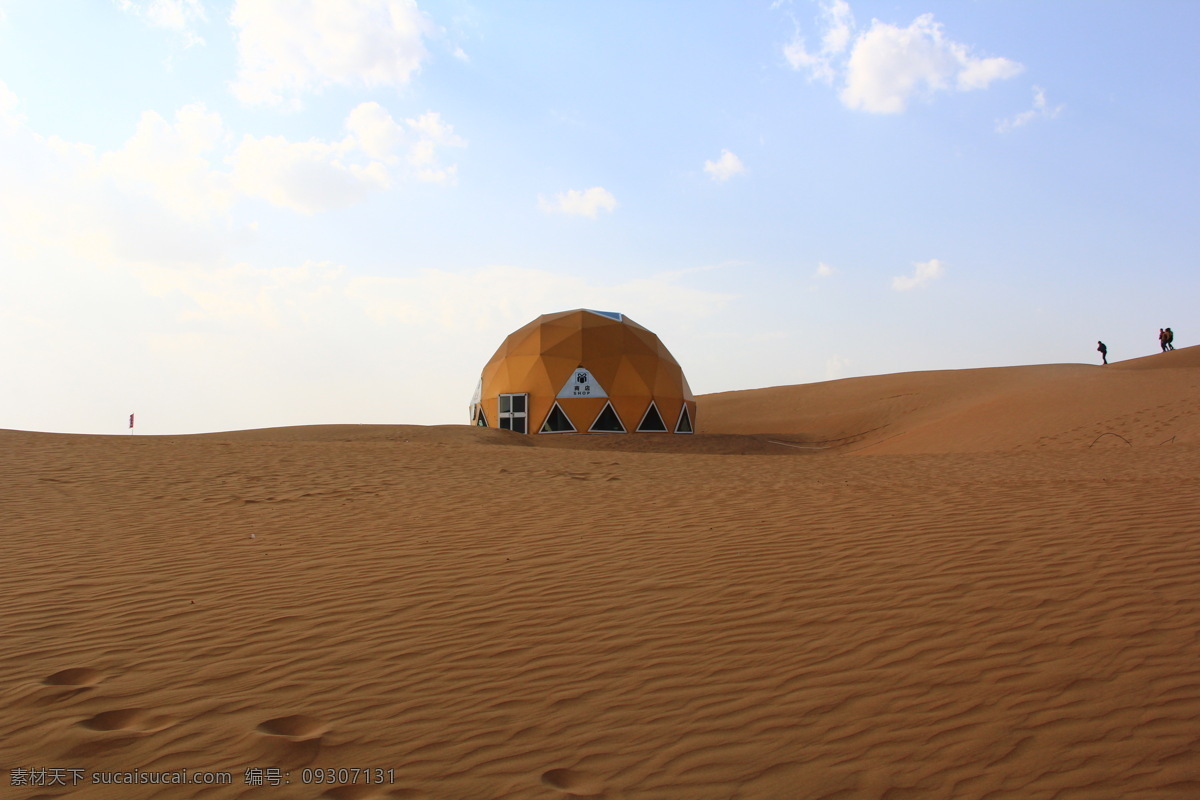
[[584, 371]]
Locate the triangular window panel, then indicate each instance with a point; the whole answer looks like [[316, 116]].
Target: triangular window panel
[[481, 420], [607, 421], [582, 384], [557, 422], [653, 421], [685, 421]]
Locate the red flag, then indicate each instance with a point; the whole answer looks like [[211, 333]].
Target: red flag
[[131, 420]]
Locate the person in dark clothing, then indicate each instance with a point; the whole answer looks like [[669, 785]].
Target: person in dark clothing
[[1170, 338], [1162, 339], [1103, 351]]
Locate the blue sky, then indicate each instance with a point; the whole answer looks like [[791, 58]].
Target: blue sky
[[241, 214]]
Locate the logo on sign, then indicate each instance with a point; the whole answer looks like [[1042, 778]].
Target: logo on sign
[[582, 384]]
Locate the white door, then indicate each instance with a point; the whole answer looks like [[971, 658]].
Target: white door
[[514, 412]]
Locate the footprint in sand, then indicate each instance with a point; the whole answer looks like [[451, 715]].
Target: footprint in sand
[[297, 727], [293, 741], [573, 782], [79, 677], [128, 720]]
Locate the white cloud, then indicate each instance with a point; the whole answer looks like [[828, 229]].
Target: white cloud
[[724, 167], [179, 16], [889, 65], [315, 176], [432, 133], [923, 273], [583, 203], [175, 15], [157, 196], [1040, 110], [882, 68], [377, 134], [308, 176], [838, 22], [287, 47], [168, 162], [824, 270], [380, 137], [168, 193]]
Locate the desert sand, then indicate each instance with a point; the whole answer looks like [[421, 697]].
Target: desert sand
[[958, 584]]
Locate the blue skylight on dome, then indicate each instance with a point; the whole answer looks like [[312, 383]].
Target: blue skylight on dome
[[610, 314]]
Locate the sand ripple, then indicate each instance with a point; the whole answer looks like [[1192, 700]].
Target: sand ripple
[[511, 622]]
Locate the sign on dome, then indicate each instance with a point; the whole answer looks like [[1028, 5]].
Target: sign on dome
[[582, 384]]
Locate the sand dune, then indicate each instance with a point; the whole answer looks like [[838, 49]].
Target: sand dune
[[967, 595], [1145, 402]]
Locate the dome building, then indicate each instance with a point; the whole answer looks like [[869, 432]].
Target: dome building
[[584, 371]]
